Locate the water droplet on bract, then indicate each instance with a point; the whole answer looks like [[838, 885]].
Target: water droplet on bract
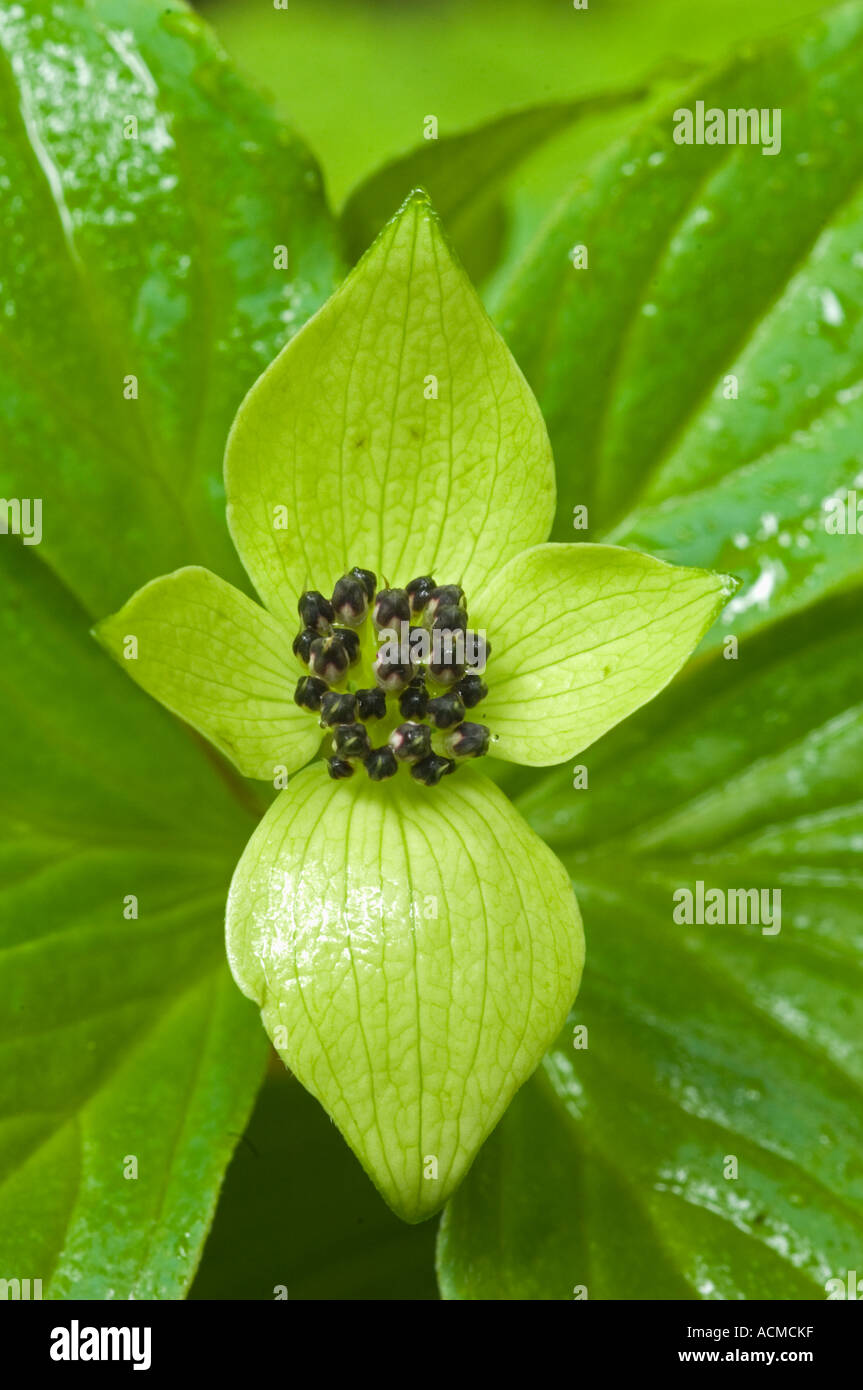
[[831, 310]]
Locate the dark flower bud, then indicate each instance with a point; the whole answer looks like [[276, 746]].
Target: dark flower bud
[[350, 641], [371, 704], [315, 611], [350, 601], [328, 659], [467, 741], [350, 740], [338, 709], [449, 618], [446, 672], [419, 591], [367, 579], [444, 596], [410, 742], [414, 701], [309, 692], [302, 644], [445, 711], [390, 676], [391, 606], [472, 689], [339, 768], [431, 769], [381, 764]]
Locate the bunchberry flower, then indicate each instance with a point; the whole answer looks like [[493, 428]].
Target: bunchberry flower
[[350, 600], [381, 764], [467, 740], [445, 711], [391, 606], [338, 707], [413, 946], [316, 611], [419, 591], [411, 742], [371, 704]]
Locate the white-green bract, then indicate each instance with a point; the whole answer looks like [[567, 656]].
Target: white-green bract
[[414, 950]]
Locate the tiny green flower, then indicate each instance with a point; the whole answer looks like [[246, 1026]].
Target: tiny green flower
[[413, 946]]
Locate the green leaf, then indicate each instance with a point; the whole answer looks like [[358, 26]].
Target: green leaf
[[298, 1213], [150, 257], [413, 954], [703, 1042], [122, 1036], [463, 174], [342, 437], [584, 635], [219, 661], [706, 263]]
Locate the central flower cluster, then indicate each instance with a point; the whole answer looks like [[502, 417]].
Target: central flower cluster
[[392, 674]]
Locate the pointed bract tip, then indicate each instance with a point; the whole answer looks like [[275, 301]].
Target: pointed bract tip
[[418, 200], [730, 584]]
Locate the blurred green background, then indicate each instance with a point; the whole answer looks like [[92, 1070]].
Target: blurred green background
[[356, 77]]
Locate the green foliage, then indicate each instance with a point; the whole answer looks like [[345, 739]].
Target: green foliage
[[142, 251], [154, 258], [462, 174], [298, 1213], [700, 380], [703, 1042], [124, 1036]]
